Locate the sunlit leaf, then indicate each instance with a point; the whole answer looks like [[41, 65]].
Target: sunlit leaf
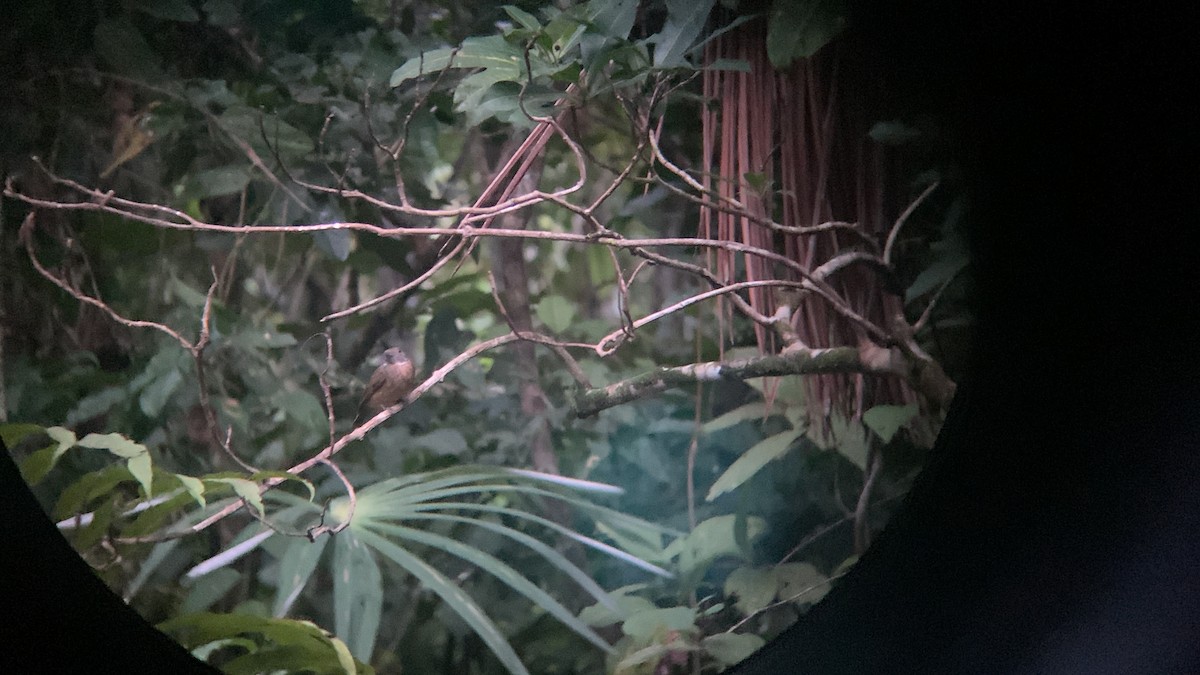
[[647, 623], [731, 648], [886, 420], [753, 587]]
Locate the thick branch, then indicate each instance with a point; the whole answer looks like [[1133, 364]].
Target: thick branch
[[797, 362]]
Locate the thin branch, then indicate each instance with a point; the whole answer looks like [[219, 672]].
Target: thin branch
[[357, 433], [924, 318], [891, 238], [558, 347], [25, 235]]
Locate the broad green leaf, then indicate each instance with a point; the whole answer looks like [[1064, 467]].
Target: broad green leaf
[[712, 539], [613, 18], [751, 461], [122, 49], [731, 648], [295, 568], [96, 404], [936, 274], [114, 443], [247, 490], [491, 52], [38, 464], [754, 588], [893, 133], [155, 396], [157, 556], [628, 605], [848, 438], [648, 623], [455, 598], [525, 19], [555, 558], [501, 571], [65, 438], [209, 589], [194, 487], [799, 28], [357, 593], [35, 467], [556, 312], [443, 442], [88, 487], [222, 180], [800, 582], [685, 22], [140, 467], [886, 420], [12, 434]]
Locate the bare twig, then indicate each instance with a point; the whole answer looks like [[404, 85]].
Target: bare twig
[[891, 238]]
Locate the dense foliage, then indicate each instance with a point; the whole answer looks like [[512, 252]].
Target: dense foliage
[[256, 178]]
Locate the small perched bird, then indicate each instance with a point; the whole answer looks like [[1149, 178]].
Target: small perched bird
[[389, 384]]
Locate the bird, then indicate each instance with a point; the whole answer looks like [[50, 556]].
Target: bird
[[394, 379]]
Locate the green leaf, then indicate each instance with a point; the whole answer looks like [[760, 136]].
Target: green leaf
[[194, 487], [140, 467], [12, 434], [685, 22], [209, 589], [938, 273], [848, 438], [893, 133], [628, 605], [37, 465], [296, 566], [95, 405], [443, 442], [247, 490], [491, 52], [651, 622], [357, 593], [222, 180], [501, 571], [556, 312], [88, 487], [732, 648], [754, 588], [155, 396], [886, 420], [712, 539], [613, 18], [114, 443], [123, 49], [751, 461], [525, 19], [455, 598], [799, 28], [800, 582]]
